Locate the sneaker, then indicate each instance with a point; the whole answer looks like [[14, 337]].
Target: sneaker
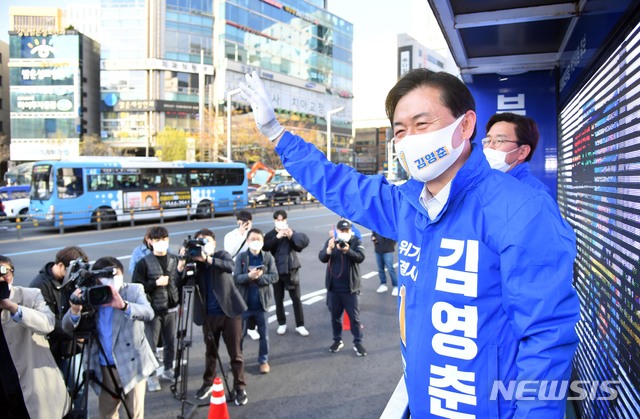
[[394, 292], [382, 289], [169, 375], [253, 334], [337, 345], [265, 368], [302, 331], [360, 351], [153, 384], [282, 329], [241, 398], [204, 391]]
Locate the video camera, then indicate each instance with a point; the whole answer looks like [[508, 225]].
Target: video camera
[[192, 249], [93, 292]]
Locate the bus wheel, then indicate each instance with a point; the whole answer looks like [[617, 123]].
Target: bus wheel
[[203, 210], [107, 217]]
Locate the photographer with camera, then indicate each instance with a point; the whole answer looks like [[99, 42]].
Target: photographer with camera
[[56, 291], [24, 353], [343, 254], [160, 273], [219, 308], [121, 357]]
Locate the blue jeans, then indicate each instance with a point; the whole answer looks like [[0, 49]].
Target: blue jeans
[[261, 323], [386, 260]]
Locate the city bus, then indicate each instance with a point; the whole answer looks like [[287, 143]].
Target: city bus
[[110, 190]]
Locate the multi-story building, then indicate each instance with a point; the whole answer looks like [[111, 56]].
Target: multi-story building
[[35, 19], [55, 93], [150, 69], [151, 72], [303, 54], [5, 126]]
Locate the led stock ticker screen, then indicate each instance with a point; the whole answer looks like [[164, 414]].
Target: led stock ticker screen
[[599, 195]]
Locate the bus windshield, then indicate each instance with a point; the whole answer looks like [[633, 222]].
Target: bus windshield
[[41, 182]]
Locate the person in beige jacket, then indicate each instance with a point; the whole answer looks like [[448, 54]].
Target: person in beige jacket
[[26, 321]]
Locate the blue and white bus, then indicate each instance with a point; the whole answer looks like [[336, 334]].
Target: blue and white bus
[[108, 190]]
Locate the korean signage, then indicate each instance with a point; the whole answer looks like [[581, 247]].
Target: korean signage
[[49, 47], [60, 100]]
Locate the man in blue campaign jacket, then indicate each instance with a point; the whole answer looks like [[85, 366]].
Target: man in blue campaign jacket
[[485, 262], [509, 145]]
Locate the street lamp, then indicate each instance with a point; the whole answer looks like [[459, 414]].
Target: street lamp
[[331, 112], [229, 94]]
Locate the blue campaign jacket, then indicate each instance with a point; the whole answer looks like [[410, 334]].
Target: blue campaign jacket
[[522, 172], [485, 288]]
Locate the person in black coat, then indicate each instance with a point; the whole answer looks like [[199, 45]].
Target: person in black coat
[[218, 308], [284, 244], [343, 255]]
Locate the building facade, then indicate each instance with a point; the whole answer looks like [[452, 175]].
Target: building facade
[[54, 93], [302, 52], [151, 68]]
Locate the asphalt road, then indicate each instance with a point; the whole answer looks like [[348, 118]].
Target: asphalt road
[[306, 380]]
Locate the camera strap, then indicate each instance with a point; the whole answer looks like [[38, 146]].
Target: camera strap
[[240, 247]]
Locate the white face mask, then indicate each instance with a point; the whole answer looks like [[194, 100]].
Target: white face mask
[[161, 246], [116, 281], [427, 156], [281, 225], [498, 159], [256, 246], [209, 248], [345, 237]]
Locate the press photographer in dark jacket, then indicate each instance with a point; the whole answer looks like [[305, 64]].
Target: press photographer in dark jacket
[[49, 282], [218, 308], [343, 255], [284, 244], [160, 273]]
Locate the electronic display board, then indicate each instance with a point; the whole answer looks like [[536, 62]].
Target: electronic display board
[[599, 194]]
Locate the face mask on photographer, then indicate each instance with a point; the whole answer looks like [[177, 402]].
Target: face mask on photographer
[[209, 248], [117, 281], [161, 246], [281, 225], [345, 237]]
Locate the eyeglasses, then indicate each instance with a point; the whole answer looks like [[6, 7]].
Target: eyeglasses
[[4, 271], [496, 142]]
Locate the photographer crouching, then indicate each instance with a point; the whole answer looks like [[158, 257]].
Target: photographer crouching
[[121, 352], [219, 308], [31, 383]]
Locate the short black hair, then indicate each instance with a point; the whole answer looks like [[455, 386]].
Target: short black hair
[[107, 262], [255, 230], [278, 213], [205, 232], [243, 215], [527, 131], [454, 94], [158, 232], [69, 254]]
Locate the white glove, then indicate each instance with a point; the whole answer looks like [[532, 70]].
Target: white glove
[[254, 93]]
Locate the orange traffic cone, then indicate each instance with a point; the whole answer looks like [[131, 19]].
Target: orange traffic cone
[[218, 404], [346, 323]]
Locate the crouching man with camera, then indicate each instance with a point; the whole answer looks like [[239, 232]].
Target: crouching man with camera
[[343, 255], [218, 310], [121, 358]]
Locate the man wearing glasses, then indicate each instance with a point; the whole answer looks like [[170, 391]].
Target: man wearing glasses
[[509, 145]]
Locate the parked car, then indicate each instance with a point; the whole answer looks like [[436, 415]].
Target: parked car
[[15, 200], [278, 193]]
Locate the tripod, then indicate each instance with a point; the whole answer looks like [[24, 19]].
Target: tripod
[[80, 393], [184, 335]]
